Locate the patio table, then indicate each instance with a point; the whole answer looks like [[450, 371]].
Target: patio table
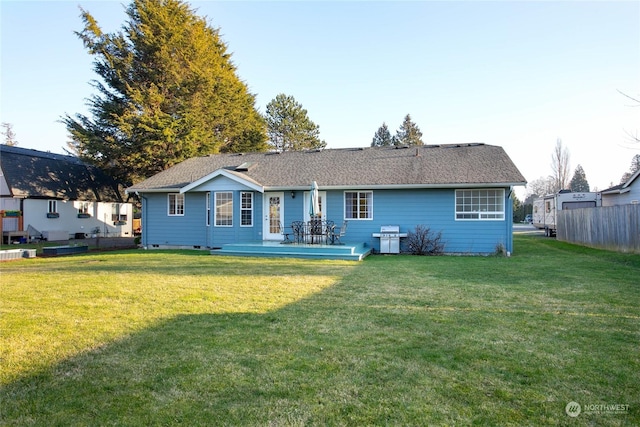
[[312, 232]]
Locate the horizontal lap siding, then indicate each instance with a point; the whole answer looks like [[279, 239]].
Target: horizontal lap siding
[[407, 208], [432, 208], [219, 236], [161, 229], [235, 234]]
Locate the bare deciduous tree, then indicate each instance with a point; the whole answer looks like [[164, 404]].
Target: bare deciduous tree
[[560, 167], [634, 137], [539, 187], [9, 135]]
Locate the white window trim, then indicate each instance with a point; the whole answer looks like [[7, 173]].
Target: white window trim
[[242, 194], [344, 210], [215, 209], [176, 195], [480, 213], [52, 206], [208, 209]]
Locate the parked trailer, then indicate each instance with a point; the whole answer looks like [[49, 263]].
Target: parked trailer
[[545, 209]]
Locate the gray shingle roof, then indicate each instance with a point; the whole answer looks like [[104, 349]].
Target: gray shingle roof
[[429, 165], [39, 174]]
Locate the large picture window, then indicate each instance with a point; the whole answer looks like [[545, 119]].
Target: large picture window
[[480, 204], [358, 205], [246, 209], [176, 204], [224, 209]]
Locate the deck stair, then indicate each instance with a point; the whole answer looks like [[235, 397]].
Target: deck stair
[[348, 251]]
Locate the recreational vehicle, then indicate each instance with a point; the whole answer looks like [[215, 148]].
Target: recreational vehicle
[[546, 208]]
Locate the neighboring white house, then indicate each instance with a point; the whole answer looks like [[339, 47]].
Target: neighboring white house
[[59, 196], [623, 194]]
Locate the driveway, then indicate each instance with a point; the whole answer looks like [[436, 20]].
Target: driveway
[[526, 228]]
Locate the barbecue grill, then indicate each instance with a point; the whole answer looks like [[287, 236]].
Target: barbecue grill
[[389, 239]]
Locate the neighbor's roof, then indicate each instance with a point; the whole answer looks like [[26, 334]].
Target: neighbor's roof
[[422, 166], [39, 174], [624, 187]]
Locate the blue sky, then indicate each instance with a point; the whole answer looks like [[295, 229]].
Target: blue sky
[[510, 73]]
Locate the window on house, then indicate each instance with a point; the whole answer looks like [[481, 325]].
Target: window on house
[[224, 209], [208, 202], [358, 205], [480, 204], [176, 204], [118, 212], [83, 208], [53, 206], [246, 209]]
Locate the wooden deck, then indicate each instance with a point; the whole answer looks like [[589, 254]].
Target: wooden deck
[[348, 251]]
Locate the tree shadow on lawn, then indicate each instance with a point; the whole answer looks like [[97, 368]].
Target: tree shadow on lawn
[[355, 353], [310, 363]]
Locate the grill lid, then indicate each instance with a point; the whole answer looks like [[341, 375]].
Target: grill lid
[[390, 229]]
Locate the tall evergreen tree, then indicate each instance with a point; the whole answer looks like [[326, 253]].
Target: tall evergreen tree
[[382, 137], [409, 133], [289, 127], [579, 182], [169, 91]]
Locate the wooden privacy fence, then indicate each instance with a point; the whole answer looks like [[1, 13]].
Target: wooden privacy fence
[[615, 228]]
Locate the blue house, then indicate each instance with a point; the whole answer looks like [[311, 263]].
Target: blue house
[[463, 191]]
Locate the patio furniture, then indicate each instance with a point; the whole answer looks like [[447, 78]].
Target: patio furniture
[[285, 234], [316, 230], [336, 236], [299, 231], [328, 228]]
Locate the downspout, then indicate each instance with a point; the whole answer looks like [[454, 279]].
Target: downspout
[[510, 222]]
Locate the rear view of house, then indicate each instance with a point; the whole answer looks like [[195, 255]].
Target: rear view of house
[[463, 191], [57, 197]]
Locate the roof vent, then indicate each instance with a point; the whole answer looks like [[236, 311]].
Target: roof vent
[[244, 167]]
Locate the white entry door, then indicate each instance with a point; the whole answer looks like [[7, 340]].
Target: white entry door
[[273, 216]]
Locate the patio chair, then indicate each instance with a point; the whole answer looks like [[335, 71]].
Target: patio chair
[[337, 235], [285, 234], [328, 228], [298, 228]]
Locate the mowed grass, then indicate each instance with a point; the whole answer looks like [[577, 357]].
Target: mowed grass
[[184, 338]]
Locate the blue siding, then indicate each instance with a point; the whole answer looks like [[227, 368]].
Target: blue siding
[[224, 235], [431, 208], [159, 228], [434, 208]]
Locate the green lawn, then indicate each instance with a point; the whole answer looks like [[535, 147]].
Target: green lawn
[[184, 338]]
